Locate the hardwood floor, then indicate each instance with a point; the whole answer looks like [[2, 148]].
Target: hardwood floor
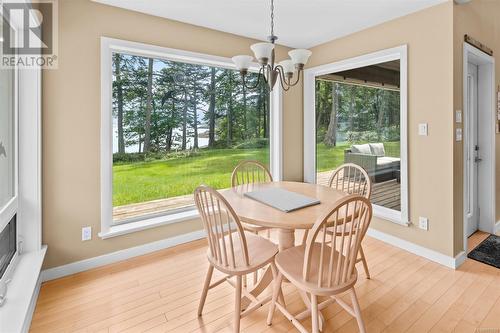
[[159, 292]]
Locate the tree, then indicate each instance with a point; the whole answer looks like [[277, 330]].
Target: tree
[[119, 96], [149, 108], [331, 133], [211, 109]]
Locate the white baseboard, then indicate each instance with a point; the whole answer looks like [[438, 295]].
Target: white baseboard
[[496, 228], [452, 262], [83, 265]]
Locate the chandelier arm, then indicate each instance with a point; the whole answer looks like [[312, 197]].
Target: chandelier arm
[[259, 74], [298, 78], [284, 85]]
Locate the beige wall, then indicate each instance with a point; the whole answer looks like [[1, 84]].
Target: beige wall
[[428, 34], [71, 122], [479, 19]]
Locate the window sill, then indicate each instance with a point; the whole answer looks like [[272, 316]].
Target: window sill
[[148, 223], [15, 314]]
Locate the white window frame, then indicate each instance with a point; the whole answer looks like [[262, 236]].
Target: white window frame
[[310, 74], [110, 45]]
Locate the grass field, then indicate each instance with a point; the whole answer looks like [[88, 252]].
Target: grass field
[[145, 181]]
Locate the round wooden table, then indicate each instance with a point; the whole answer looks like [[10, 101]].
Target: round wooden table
[[254, 212]]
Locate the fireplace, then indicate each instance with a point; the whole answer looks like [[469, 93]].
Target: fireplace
[[8, 246]]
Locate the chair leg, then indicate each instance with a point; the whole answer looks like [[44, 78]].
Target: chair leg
[[314, 314], [363, 260], [281, 297], [206, 286], [276, 292], [357, 311], [237, 304]]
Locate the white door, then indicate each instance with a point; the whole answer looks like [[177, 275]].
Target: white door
[[472, 153]]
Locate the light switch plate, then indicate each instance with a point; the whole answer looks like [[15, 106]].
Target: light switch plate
[[458, 134], [423, 223], [458, 116], [86, 233], [422, 129]]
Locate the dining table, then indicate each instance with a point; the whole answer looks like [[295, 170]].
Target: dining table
[[254, 212]]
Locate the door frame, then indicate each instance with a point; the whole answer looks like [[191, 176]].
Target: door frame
[[396, 53], [486, 136]]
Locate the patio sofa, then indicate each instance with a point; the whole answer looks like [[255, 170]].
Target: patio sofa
[[371, 157]]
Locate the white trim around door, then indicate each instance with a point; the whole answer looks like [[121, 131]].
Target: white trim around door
[[486, 137], [397, 53]]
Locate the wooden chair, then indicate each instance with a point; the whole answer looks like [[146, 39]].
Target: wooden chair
[[231, 250], [328, 265], [352, 179], [251, 172]]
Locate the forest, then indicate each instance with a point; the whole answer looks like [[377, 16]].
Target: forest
[[162, 106], [354, 114], [177, 125]]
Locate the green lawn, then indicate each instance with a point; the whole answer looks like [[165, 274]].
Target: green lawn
[[145, 181]]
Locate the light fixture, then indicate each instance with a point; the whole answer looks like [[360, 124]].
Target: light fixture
[[284, 71]]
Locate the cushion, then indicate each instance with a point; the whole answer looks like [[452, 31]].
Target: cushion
[[361, 149], [387, 162], [377, 149]]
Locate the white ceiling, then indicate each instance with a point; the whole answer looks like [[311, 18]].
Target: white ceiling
[[298, 23]]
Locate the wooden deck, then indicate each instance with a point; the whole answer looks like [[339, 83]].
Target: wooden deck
[[159, 292], [387, 194], [122, 213]]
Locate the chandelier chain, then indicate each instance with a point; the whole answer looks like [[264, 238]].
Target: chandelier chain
[[272, 17]]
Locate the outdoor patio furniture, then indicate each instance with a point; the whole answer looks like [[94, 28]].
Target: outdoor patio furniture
[[372, 158]]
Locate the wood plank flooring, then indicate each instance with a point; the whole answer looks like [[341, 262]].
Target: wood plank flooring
[[159, 292]]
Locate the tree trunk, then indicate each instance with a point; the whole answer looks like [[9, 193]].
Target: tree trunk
[[149, 107], [184, 120], [266, 112], [230, 112], [195, 118], [259, 112], [211, 110], [119, 96], [245, 127], [319, 99], [331, 133], [352, 107]]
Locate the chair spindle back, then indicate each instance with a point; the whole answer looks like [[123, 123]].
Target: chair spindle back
[[223, 228], [337, 256], [352, 179], [250, 172]]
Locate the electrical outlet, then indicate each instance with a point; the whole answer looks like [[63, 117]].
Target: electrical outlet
[[86, 233], [423, 223]]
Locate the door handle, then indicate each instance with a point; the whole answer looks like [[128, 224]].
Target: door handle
[[477, 159]]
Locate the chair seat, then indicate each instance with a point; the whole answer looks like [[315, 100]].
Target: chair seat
[[260, 253], [253, 228], [290, 264]]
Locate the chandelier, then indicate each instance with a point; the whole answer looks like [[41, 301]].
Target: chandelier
[[284, 71]]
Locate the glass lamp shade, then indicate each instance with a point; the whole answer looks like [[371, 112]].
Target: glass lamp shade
[[300, 56], [288, 66], [242, 62], [262, 50]]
